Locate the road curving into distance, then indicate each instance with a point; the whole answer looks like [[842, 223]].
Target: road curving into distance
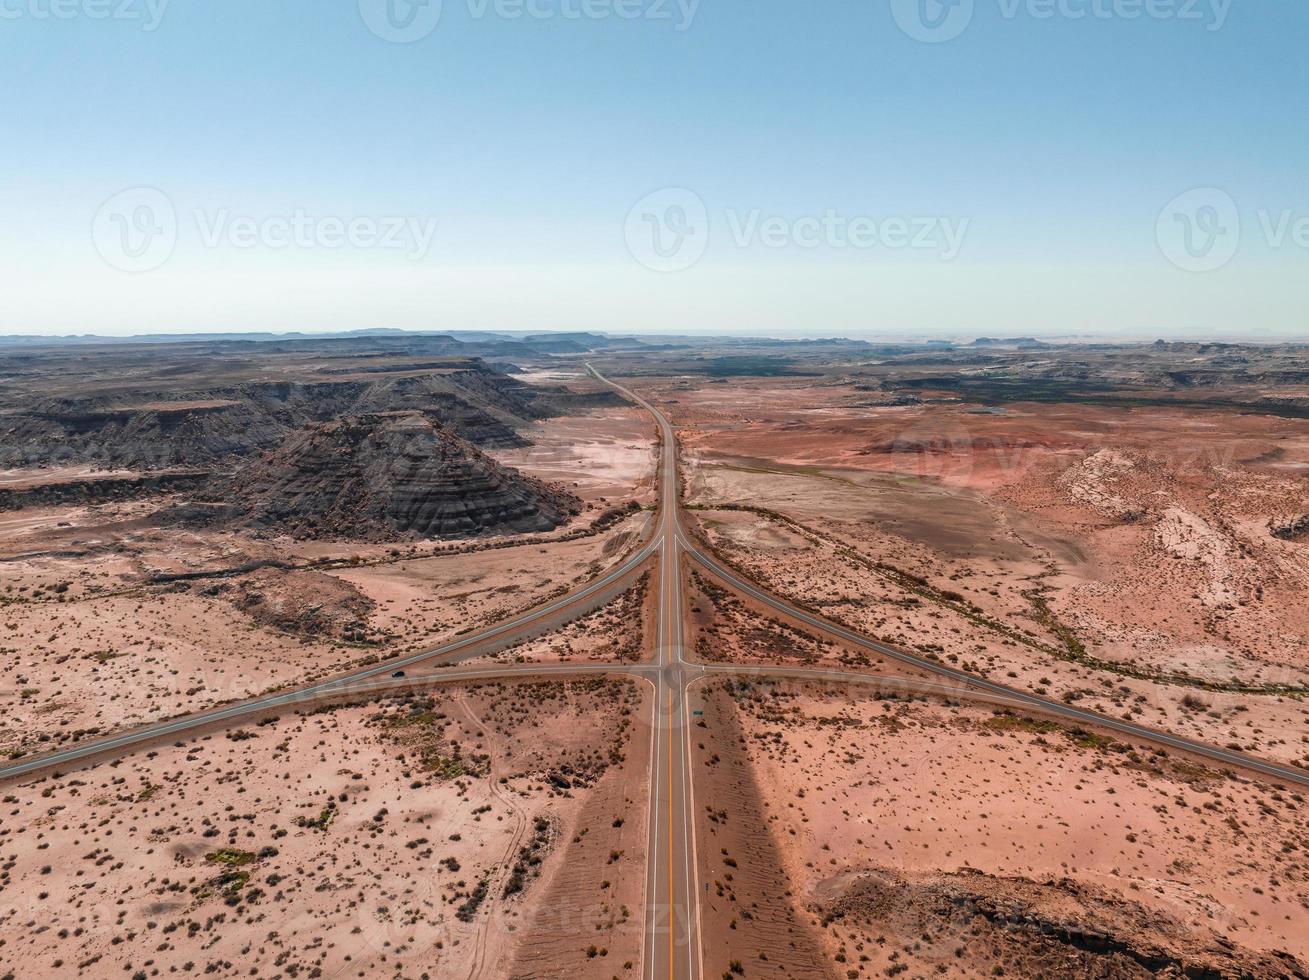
[[673, 946], [961, 683]]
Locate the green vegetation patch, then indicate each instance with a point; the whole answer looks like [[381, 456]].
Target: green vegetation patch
[[468, 910], [104, 656], [320, 822], [1080, 737], [529, 858], [444, 767], [1089, 740], [231, 857], [1015, 723], [411, 720]]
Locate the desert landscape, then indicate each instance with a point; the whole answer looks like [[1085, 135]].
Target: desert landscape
[[654, 490], [575, 655], [271, 564], [414, 836], [956, 841]]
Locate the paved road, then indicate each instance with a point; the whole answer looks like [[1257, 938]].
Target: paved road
[[673, 946], [957, 681], [673, 940], [962, 684], [356, 682], [677, 950]]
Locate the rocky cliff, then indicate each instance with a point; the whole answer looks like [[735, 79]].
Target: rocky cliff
[[99, 490], [182, 427], [390, 476]]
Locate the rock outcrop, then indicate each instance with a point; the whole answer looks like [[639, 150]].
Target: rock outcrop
[[1013, 926], [99, 490], [390, 476], [224, 425], [141, 436], [1290, 528]]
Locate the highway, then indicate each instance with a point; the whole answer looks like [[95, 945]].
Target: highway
[[357, 682], [964, 684], [673, 944], [961, 684]]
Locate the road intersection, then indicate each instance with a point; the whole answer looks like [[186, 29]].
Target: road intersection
[[673, 945]]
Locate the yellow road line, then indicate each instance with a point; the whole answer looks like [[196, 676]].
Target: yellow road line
[[671, 945]]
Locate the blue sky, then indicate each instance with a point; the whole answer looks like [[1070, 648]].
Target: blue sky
[[491, 166]]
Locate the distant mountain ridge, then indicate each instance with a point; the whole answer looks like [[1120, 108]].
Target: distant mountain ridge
[[188, 425], [540, 340]]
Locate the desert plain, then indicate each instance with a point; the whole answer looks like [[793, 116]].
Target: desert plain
[[1120, 529]]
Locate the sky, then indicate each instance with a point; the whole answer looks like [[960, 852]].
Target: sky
[[1122, 168]]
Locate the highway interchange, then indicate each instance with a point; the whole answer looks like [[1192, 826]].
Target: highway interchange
[[673, 944]]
